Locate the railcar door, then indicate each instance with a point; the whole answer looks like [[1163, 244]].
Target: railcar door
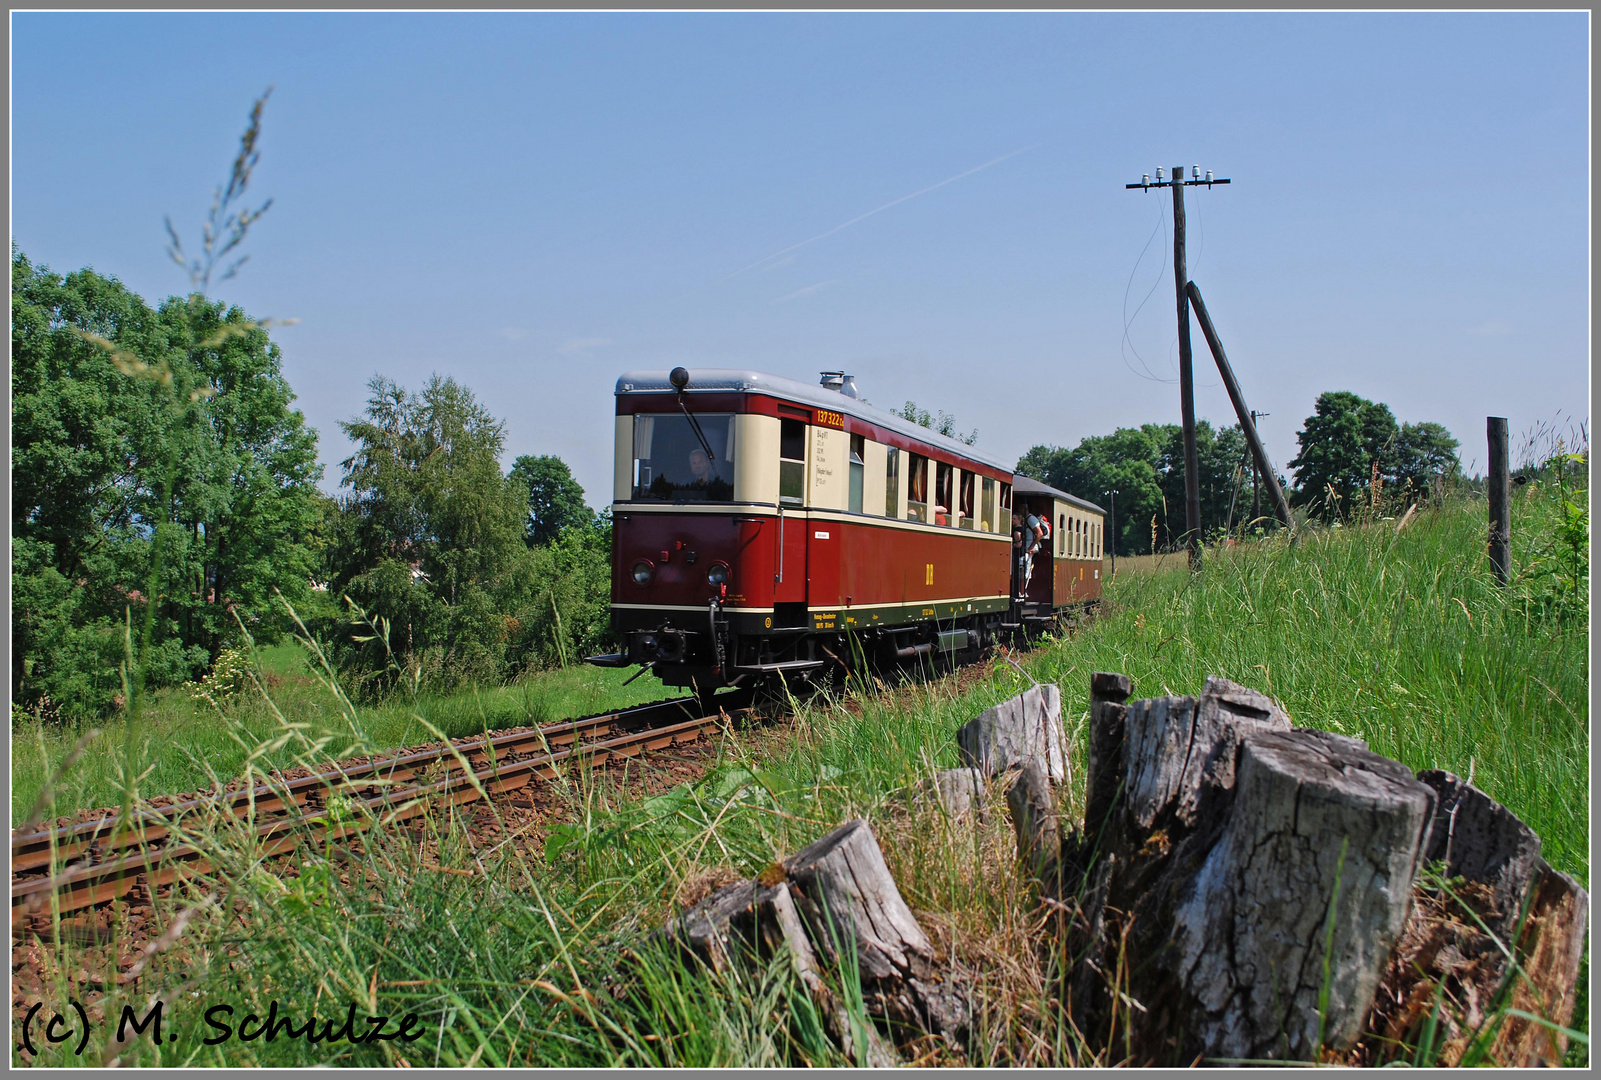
[[822, 564], [1041, 582], [789, 538], [789, 557]]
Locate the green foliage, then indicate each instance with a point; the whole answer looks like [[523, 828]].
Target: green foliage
[[136, 429], [1558, 570], [1349, 442], [433, 543], [944, 423], [1145, 465], [555, 499], [1425, 455], [231, 674]]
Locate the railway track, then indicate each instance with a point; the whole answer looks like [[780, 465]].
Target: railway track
[[64, 869]]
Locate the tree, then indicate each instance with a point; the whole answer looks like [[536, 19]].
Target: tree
[[1348, 440], [1220, 453], [433, 539], [127, 425], [945, 423], [555, 499], [1425, 454], [1341, 443]]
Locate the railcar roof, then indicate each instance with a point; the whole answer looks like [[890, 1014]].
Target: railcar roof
[[724, 380], [1024, 485]]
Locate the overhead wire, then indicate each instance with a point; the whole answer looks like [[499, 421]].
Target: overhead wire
[[1126, 345]]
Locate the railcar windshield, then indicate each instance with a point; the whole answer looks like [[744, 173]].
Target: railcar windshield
[[671, 462]]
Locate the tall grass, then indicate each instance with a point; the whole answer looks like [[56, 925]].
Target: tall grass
[[531, 949], [1403, 639], [181, 742]]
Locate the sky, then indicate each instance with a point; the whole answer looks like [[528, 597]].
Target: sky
[[535, 203]]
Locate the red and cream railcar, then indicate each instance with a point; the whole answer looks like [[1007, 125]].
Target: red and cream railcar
[[764, 525], [1067, 571]]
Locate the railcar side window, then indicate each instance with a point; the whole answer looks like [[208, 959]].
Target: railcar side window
[[942, 493], [791, 461], [966, 500], [988, 522], [892, 482], [1061, 534], [858, 467], [1006, 502], [671, 460], [916, 487]]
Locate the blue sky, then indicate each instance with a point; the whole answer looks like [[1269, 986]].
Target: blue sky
[[534, 203]]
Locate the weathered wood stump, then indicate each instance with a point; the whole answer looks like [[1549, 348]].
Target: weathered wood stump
[[1480, 840], [1032, 801], [1286, 930], [849, 901], [960, 792], [1248, 878], [830, 902], [1253, 891], [749, 919], [1108, 692], [1023, 729], [1498, 894], [1550, 952]]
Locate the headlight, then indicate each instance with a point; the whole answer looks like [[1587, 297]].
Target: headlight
[[717, 574], [642, 573]]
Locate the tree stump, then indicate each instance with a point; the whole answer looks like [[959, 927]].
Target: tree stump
[[960, 792], [1499, 894], [1247, 879], [849, 902], [1479, 839], [1104, 752], [1022, 729], [751, 920], [834, 900], [1550, 950], [1291, 918], [1039, 843]]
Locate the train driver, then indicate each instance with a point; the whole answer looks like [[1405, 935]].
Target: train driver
[[704, 478]]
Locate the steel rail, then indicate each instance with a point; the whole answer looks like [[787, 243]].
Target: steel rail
[[155, 839], [40, 848]]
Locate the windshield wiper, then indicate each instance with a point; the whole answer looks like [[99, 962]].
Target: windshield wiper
[[699, 434]]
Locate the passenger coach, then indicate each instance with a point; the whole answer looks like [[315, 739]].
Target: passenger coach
[[763, 525]]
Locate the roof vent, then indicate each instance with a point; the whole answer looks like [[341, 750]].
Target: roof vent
[[838, 380]]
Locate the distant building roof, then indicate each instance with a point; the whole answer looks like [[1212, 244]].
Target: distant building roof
[[1023, 485], [725, 380]]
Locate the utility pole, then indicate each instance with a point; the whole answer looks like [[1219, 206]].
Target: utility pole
[[1113, 545], [1192, 465], [1256, 496]]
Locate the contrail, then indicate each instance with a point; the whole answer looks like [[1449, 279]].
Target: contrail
[[879, 210]]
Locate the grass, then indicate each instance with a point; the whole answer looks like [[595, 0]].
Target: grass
[[1402, 639], [180, 744], [519, 952]]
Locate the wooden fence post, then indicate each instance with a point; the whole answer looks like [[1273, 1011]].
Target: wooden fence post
[[1500, 505]]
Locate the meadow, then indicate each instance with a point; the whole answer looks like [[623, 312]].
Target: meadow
[[183, 742], [537, 954]]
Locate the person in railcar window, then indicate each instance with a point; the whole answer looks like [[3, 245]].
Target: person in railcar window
[[704, 479], [917, 489], [675, 460]]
